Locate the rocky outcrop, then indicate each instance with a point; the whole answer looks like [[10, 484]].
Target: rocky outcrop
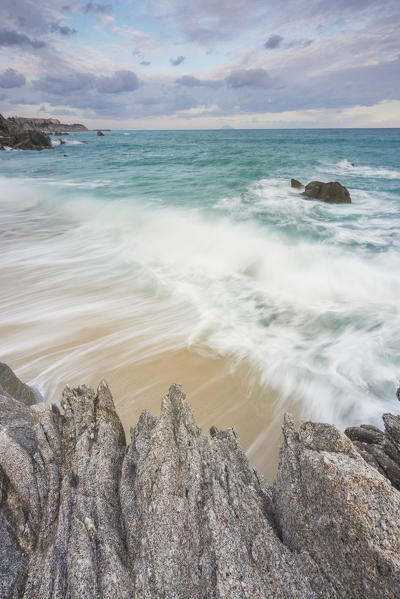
[[180, 515], [100, 134], [47, 125], [379, 448], [332, 192], [296, 184], [21, 139]]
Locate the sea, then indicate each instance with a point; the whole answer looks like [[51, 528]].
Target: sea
[[148, 257]]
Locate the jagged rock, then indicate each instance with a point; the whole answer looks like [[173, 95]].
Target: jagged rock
[[22, 139], [30, 140], [332, 192], [11, 385], [296, 184], [379, 448], [100, 133], [62, 142], [180, 515], [340, 514]]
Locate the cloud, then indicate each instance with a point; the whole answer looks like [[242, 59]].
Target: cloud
[[120, 81], [10, 78], [97, 8], [274, 41], [63, 29], [145, 63], [249, 77], [9, 37], [177, 61], [184, 102], [190, 81], [67, 83]]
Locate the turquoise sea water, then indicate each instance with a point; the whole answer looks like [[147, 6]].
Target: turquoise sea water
[[195, 239]]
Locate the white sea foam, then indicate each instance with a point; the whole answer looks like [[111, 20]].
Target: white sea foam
[[344, 167], [372, 218], [318, 323]]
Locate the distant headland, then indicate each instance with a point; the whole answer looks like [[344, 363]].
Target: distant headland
[[47, 125]]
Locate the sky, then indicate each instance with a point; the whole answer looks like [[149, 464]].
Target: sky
[[205, 64]]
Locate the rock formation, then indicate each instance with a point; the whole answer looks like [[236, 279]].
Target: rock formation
[[379, 448], [48, 125], [332, 192], [22, 139], [296, 184], [179, 515], [100, 133]]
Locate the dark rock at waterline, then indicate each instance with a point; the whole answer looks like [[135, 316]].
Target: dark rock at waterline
[[30, 140], [65, 155], [180, 515], [333, 192], [62, 141], [100, 133], [22, 139], [2, 148], [296, 184]]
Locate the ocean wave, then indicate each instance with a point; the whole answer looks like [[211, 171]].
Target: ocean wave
[[316, 322], [371, 221]]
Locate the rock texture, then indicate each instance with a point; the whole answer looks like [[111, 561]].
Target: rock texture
[[22, 139], [179, 515], [332, 192], [379, 448]]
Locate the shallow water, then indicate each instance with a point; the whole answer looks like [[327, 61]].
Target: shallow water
[[149, 257]]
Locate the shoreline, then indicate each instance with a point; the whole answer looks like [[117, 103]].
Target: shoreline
[[219, 396]]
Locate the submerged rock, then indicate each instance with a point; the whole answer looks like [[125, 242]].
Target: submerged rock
[[333, 192], [180, 515]]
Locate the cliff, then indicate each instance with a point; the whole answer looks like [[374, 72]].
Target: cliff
[[47, 125], [177, 514]]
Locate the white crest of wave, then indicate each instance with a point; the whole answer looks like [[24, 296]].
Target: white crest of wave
[[318, 323], [344, 167]]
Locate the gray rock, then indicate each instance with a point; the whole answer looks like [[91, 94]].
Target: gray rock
[[338, 513], [379, 448], [180, 515], [9, 383], [332, 192], [100, 133]]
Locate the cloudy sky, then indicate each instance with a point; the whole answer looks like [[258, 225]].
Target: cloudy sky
[[177, 64]]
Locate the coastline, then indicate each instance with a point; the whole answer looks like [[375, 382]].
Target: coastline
[[178, 514]]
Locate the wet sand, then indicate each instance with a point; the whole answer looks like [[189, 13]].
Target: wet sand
[[218, 395]]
